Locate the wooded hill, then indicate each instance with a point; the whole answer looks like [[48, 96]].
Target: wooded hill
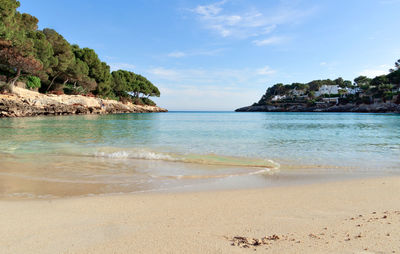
[[362, 90], [45, 60]]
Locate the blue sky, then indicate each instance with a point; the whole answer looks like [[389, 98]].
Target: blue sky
[[221, 55]]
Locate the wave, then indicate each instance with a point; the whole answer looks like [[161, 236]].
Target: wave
[[206, 159]]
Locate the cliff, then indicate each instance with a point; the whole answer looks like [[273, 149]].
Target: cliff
[[24, 102], [362, 108]]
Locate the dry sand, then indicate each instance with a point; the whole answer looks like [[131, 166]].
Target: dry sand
[[356, 216]]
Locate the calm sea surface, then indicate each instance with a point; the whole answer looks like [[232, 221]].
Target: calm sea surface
[[81, 155]]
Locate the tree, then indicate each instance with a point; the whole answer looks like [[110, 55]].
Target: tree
[[8, 22], [16, 49], [13, 57], [394, 75], [379, 80], [362, 81], [339, 82], [396, 66], [348, 83], [120, 82], [44, 52], [63, 55]]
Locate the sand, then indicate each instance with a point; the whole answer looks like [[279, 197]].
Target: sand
[[355, 216]]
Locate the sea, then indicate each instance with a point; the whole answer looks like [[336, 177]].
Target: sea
[[68, 156]]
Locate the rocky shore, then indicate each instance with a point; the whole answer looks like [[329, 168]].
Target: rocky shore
[[361, 108], [24, 102]]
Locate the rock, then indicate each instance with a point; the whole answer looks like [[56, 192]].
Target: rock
[[302, 107], [28, 103]]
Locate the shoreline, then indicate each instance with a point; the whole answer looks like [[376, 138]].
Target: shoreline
[[26, 103], [350, 216], [347, 108]]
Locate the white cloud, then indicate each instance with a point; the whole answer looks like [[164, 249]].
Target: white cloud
[[180, 54], [177, 54], [201, 77], [204, 89], [248, 22], [269, 41], [122, 66], [323, 63], [165, 73], [207, 97], [266, 71]]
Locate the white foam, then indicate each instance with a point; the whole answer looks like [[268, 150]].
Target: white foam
[[146, 155]]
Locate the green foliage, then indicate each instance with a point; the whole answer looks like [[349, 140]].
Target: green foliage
[[362, 81], [72, 89], [25, 50], [149, 102], [127, 83], [381, 87], [63, 55], [33, 82]]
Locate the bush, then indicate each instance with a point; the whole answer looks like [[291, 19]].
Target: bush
[[365, 100], [71, 89], [311, 103], [137, 101], [149, 102], [33, 82]]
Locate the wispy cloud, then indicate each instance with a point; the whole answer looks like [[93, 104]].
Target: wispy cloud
[[180, 54], [207, 97], [177, 54], [270, 41], [265, 71], [249, 22], [204, 89], [122, 66], [202, 77]]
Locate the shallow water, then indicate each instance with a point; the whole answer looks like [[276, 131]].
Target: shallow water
[[81, 155]]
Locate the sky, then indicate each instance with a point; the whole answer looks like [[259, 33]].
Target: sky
[[222, 55]]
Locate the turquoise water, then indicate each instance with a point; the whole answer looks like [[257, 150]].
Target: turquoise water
[[165, 151]]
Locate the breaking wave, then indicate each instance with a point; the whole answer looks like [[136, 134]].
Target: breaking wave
[[206, 159]]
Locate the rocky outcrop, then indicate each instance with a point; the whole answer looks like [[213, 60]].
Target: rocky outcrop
[[363, 108], [28, 103]]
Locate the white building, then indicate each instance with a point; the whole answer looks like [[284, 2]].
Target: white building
[[353, 90], [296, 92], [278, 97], [327, 89]]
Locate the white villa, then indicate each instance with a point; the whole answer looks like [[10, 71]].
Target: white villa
[[296, 92], [327, 89], [278, 97], [353, 90]]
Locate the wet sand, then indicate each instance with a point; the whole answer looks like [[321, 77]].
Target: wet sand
[[352, 216]]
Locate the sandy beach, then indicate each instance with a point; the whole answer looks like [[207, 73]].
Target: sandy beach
[[355, 216]]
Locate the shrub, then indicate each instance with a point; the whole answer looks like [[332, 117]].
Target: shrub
[[311, 103], [124, 100], [149, 102], [137, 101], [33, 82], [71, 89]]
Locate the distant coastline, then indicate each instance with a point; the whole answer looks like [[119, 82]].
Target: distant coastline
[[388, 107], [378, 95]]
